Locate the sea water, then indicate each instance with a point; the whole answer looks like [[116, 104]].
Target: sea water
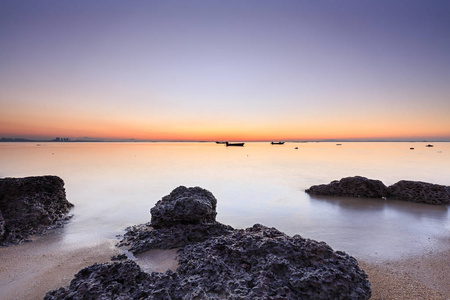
[[114, 185]]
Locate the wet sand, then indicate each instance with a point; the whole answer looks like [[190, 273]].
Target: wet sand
[[420, 277], [30, 270]]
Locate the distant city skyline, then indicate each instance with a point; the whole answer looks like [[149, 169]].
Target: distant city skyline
[[225, 70]]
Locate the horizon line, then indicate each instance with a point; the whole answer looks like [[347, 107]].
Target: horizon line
[[88, 139]]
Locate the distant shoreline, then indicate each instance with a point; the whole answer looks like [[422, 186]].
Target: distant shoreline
[[22, 140]]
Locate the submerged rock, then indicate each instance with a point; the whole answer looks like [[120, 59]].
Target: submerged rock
[[356, 186], [219, 262], [30, 205], [417, 191], [412, 191]]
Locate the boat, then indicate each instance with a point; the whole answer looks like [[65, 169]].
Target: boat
[[277, 143], [234, 144], [429, 145], [220, 142]]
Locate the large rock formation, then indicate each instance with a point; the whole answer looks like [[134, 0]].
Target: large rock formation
[[256, 263], [356, 186], [264, 263], [184, 206], [186, 215], [417, 191], [30, 205], [219, 262]]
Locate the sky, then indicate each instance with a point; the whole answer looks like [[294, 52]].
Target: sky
[[243, 70]]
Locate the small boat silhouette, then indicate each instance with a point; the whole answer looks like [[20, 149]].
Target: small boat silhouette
[[277, 143], [234, 144]]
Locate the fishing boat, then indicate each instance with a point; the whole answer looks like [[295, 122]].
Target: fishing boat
[[234, 144], [277, 143], [220, 142]]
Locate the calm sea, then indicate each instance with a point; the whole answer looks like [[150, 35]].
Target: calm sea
[[114, 185]]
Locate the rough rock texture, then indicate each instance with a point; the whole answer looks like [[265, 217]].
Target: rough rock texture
[[2, 227], [184, 206], [141, 238], [412, 191], [356, 186], [218, 262], [256, 263], [264, 263], [30, 205], [417, 191], [122, 280]]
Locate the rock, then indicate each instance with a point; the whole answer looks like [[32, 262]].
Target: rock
[[412, 191], [120, 280], [2, 227], [141, 238], [119, 257], [255, 263], [264, 263], [219, 262], [184, 206], [30, 205], [356, 186], [186, 215], [417, 191]]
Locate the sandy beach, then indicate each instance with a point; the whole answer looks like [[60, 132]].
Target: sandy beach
[[421, 277], [29, 270]]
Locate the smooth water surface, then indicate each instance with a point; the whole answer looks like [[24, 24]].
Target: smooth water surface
[[114, 185]]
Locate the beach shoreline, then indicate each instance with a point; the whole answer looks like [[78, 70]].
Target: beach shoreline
[[423, 276], [30, 270]]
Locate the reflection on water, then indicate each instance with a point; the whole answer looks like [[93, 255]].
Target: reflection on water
[[113, 185]]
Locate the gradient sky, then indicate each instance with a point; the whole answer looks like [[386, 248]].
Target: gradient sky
[[225, 70]]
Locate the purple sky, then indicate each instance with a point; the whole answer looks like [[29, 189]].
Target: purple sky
[[225, 69]]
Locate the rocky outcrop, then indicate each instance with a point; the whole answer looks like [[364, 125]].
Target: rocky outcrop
[[356, 186], [264, 263], [120, 280], [30, 205], [184, 206], [255, 263], [186, 215], [417, 191], [141, 238], [219, 262]]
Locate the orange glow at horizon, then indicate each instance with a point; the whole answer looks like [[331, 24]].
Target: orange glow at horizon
[[169, 130], [109, 122]]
